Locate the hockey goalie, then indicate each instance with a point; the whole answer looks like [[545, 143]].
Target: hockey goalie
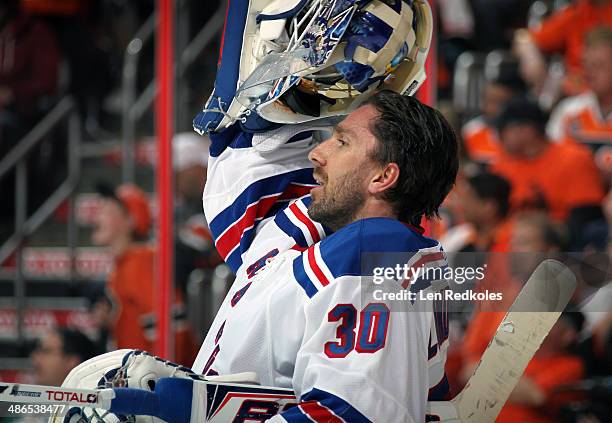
[[321, 169]]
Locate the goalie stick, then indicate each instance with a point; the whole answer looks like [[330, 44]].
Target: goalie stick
[[532, 315], [40, 394], [520, 334]]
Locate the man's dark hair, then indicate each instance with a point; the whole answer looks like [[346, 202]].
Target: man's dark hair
[[423, 145], [76, 343], [489, 186]]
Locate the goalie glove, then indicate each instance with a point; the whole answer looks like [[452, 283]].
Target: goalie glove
[[148, 389], [119, 369]]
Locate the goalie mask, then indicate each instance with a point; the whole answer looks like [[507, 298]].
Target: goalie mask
[[292, 61]]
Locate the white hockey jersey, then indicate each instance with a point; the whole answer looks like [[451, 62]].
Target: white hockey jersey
[[296, 313]]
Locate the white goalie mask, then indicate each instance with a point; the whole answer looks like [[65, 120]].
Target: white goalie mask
[[302, 60]]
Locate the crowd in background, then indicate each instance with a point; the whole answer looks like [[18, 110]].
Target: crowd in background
[[535, 181]]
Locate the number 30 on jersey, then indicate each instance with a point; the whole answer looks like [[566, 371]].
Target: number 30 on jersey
[[365, 333]]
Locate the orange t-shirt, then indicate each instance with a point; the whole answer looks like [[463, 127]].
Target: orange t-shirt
[[480, 141], [132, 288], [564, 176], [546, 373], [564, 31]]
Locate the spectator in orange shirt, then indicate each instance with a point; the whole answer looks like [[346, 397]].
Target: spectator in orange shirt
[[122, 225], [559, 178], [587, 118], [479, 135], [534, 237], [485, 201], [534, 399], [563, 32]]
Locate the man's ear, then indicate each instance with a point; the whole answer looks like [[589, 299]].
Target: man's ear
[[385, 179]]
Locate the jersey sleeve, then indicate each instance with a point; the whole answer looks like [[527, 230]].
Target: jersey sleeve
[[246, 187], [354, 348]]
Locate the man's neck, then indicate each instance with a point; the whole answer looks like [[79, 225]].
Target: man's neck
[[375, 208]]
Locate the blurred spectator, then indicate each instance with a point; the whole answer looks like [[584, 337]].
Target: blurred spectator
[[468, 25], [559, 178], [58, 352], [194, 246], [485, 202], [564, 33], [534, 237], [534, 399], [29, 61], [122, 225], [587, 118], [190, 159], [102, 319], [85, 44], [480, 139], [496, 20]]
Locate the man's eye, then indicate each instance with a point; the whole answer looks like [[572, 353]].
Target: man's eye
[[341, 142]]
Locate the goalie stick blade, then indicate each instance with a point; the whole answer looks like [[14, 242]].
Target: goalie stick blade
[[518, 337]]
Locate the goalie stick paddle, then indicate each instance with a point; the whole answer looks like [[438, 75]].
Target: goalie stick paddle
[[40, 394], [518, 337]]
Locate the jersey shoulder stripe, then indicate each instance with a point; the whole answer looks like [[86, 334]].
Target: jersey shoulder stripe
[[346, 252], [314, 410], [321, 406], [295, 222]]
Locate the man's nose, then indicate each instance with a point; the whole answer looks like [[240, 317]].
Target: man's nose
[[318, 154]]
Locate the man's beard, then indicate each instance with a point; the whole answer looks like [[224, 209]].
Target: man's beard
[[337, 206]]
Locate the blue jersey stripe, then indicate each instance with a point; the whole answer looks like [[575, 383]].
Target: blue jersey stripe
[[287, 226], [336, 404], [252, 194], [299, 273], [440, 392], [234, 260]]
